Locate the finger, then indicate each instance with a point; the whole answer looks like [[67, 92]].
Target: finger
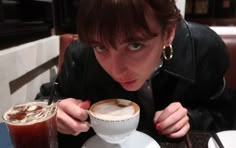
[[173, 107], [182, 132], [172, 119], [74, 110], [85, 127], [62, 129], [85, 104], [62, 126], [73, 100], [156, 116], [175, 127]]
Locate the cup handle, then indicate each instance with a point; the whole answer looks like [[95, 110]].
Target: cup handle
[[88, 122]]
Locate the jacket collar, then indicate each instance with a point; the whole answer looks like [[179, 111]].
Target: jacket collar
[[183, 62]]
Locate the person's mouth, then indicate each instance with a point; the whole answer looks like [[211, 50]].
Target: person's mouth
[[127, 83]]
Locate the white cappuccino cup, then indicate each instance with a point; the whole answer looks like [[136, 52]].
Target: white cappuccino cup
[[114, 120]]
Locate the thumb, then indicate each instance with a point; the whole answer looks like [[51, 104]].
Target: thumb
[[85, 104]]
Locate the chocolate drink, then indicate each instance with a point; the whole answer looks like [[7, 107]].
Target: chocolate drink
[[32, 125]]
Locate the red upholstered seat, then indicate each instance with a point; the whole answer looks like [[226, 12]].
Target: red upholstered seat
[[65, 41], [230, 76]]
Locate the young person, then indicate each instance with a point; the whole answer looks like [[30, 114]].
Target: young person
[[144, 51]]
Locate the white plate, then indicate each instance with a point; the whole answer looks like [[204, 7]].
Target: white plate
[[136, 140], [228, 139]]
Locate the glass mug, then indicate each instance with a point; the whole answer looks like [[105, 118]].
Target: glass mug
[[32, 125]]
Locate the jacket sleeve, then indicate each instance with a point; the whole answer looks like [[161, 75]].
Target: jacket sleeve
[[211, 108]]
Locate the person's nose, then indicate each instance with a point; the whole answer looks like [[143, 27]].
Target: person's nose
[[118, 66]]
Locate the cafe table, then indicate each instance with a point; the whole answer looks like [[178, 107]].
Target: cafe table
[[192, 140], [5, 141]]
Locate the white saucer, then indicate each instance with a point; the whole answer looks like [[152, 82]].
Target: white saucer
[[228, 139], [136, 140]]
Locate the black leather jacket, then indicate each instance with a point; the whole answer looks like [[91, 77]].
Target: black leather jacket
[[194, 77]]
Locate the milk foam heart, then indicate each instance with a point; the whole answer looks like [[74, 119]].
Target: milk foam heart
[[112, 110]]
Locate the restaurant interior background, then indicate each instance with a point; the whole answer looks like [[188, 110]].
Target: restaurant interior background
[[29, 42], [26, 20]]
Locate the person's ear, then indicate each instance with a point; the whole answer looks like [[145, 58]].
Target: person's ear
[[169, 35]]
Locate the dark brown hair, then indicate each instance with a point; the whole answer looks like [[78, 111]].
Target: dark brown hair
[[107, 19]]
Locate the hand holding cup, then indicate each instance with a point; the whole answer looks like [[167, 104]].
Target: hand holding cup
[[72, 116]]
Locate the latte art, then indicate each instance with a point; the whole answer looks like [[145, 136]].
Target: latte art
[[112, 110]]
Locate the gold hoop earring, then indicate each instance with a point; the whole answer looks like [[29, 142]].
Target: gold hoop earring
[[167, 52]]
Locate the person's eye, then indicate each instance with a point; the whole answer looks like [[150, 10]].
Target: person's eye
[[135, 46], [99, 48]]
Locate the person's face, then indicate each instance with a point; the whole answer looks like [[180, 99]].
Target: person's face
[[132, 62]]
